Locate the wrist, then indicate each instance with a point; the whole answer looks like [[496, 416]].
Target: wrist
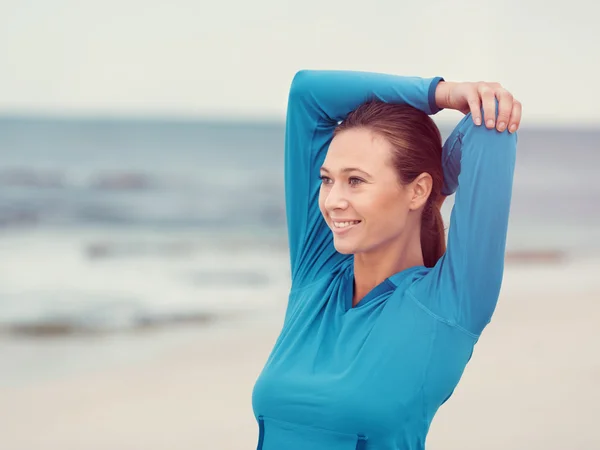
[[442, 94]]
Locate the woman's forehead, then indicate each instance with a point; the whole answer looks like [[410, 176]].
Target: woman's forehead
[[359, 149]]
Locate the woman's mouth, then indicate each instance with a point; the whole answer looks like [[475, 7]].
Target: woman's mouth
[[342, 227]]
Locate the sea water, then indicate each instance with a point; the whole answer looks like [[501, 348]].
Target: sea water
[[109, 226]]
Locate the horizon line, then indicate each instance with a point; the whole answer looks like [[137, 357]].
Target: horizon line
[[241, 119]]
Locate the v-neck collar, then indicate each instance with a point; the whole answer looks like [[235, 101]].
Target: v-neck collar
[[388, 285]]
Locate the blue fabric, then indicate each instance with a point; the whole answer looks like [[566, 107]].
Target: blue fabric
[[373, 376]]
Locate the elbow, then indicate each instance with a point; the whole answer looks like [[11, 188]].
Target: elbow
[[301, 76], [304, 84], [492, 133], [302, 90], [301, 83], [485, 136]]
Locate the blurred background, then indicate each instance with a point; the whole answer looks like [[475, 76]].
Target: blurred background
[[143, 255]]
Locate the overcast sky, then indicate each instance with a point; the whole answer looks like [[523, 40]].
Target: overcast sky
[[222, 58]]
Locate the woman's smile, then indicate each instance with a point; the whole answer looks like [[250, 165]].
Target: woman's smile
[[344, 226]]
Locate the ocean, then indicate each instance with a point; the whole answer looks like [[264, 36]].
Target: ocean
[[116, 225]]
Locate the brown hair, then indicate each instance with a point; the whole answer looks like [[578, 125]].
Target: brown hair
[[417, 147]]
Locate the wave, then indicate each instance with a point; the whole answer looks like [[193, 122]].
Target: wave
[[39, 178], [63, 282], [61, 327], [33, 198]]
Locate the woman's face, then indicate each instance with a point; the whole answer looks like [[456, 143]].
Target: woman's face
[[361, 197]]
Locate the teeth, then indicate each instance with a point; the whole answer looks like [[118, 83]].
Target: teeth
[[345, 224]]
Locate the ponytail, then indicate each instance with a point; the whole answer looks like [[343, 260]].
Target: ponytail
[[433, 238]]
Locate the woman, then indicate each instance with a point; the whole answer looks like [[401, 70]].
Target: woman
[[382, 318]]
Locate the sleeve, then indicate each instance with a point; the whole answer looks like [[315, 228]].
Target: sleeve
[[463, 287], [318, 101]]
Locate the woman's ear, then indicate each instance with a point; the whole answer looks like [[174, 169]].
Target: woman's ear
[[420, 191]]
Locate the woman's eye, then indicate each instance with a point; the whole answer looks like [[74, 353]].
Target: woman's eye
[[353, 181]]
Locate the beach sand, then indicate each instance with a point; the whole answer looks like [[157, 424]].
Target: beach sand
[[533, 383]]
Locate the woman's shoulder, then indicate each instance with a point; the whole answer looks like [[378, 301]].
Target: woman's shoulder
[[313, 295], [338, 274], [439, 298], [407, 278]]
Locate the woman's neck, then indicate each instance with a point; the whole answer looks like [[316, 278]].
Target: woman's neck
[[372, 268]]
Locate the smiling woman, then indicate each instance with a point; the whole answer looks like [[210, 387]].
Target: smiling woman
[[382, 320], [402, 147]]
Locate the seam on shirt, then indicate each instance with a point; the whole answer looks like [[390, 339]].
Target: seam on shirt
[[294, 289], [458, 143], [424, 394], [310, 169], [442, 319], [308, 427], [334, 272], [320, 121]]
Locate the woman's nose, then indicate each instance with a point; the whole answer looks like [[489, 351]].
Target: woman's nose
[[336, 199]]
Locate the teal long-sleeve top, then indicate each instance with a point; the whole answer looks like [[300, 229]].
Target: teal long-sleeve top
[[372, 376]]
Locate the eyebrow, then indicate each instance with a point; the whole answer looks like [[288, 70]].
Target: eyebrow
[[346, 170]]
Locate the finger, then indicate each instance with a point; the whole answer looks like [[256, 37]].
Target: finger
[[515, 116], [505, 104], [488, 100], [475, 108]]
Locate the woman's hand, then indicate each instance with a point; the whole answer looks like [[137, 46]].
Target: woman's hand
[[471, 97]]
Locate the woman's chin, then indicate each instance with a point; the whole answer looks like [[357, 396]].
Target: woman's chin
[[345, 248]]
